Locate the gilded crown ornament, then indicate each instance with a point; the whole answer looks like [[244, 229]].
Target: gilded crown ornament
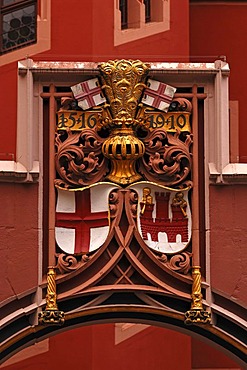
[[123, 84]]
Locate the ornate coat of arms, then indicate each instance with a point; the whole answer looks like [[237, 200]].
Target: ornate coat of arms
[[123, 131], [123, 192]]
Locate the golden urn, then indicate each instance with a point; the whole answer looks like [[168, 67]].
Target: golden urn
[[123, 85]]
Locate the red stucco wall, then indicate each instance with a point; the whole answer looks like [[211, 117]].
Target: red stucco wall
[[220, 30], [84, 31], [151, 349], [228, 241], [18, 238], [8, 109]]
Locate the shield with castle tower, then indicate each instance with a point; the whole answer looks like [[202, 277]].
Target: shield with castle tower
[[164, 217]]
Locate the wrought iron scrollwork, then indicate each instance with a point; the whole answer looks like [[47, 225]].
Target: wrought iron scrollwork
[[78, 158], [167, 158]]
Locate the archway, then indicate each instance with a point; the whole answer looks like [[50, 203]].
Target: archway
[[131, 314], [125, 345]]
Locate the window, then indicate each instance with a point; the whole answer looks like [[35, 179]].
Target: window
[[136, 19], [18, 24], [147, 4], [123, 7], [132, 10]]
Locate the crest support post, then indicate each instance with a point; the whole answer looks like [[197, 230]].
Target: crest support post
[[195, 179], [197, 314], [51, 218], [51, 315]]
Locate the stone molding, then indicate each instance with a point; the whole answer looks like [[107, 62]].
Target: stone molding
[[11, 171]]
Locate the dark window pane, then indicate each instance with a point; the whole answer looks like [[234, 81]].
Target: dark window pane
[[123, 7], [9, 2], [18, 27], [147, 4]]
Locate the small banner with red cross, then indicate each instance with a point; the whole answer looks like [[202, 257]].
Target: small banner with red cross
[[82, 219], [158, 95], [88, 94]]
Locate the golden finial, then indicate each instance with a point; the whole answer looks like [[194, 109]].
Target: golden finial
[[197, 315], [51, 315]]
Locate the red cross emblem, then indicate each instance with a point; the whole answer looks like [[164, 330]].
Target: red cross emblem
[[82, 221], [159, 93], [88, 93]]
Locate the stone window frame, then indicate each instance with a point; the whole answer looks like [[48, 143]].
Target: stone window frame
[[137, 26], [43, 35], [9, 9]]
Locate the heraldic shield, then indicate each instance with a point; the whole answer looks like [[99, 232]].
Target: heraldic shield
[[163, 217], [82, 218], [121, 130]]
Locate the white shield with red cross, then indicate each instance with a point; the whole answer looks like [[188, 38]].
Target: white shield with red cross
[[158, 95], [82, 219], [88, 94]]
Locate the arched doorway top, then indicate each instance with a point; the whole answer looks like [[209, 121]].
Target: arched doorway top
[[124, 313]]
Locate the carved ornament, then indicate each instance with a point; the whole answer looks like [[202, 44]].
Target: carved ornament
[[123, 143]]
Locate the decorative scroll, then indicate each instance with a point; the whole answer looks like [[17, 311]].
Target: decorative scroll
[[178, 263], [167, 158], [123, 141], [68, 263], [113, 203], [133, 202], [78, 158], [180, 105]]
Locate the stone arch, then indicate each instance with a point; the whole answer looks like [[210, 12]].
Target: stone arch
[[120, 313]]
